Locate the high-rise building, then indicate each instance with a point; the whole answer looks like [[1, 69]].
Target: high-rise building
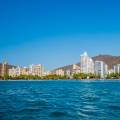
[[86, 63], [101, 68], [117, 68], [36, 70], [4, 70]]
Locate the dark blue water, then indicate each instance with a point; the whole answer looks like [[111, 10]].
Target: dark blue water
[[59, 100]]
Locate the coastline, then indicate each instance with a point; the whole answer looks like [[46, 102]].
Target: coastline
[[62, 80]]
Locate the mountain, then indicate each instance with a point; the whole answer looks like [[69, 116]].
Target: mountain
[[108, 59]]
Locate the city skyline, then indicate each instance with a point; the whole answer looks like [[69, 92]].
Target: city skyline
[[55, 33], [75, 63], [87, 66]]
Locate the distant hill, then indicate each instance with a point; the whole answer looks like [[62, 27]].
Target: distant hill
[[108, 59], [64, 68]]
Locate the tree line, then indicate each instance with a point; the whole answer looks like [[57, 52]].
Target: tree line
[[55, 77]]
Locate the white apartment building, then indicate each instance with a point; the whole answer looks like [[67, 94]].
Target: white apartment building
[[117, 68], [68, 72], [101, 68], [75, 69], [86, 63], [46, 73], [36, 70], [14, 71], [60, 72]]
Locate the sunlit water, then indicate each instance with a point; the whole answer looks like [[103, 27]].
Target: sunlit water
[[60, 100]]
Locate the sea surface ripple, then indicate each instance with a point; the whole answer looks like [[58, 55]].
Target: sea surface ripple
[[60, 100]]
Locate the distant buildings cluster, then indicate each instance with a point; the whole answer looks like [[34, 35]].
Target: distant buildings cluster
[[75, 69], [14, 71], [86, 66], [37, 70]]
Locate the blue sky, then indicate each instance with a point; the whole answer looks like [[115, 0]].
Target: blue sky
[[56, 32]]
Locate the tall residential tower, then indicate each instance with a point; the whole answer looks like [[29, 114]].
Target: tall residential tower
[[86, 63], [101, 68]]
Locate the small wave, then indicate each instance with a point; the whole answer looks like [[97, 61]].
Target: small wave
[[30, 109], [82, 114], [91, 99], [89, 112], [36, 101]]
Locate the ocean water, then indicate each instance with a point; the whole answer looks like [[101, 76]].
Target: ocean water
[[60, 100]]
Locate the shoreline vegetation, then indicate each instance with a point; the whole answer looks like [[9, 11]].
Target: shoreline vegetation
[[80, 76]]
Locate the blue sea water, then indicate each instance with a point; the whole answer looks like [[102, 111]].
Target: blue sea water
[[60, 100]]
